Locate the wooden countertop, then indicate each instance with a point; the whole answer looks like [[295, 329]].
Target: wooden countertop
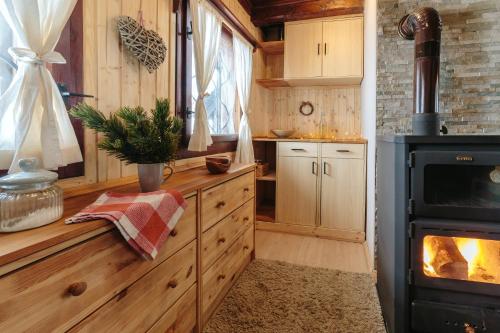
[[30, 245], [326, 140]]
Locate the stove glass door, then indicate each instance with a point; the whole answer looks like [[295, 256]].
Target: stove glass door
[[462, 185], [456, 255], [459, 185]]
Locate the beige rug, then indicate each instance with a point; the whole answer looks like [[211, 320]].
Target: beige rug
[[277, 297]]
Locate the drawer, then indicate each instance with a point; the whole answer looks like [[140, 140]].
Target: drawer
[[343, 150], [218, 279], [219, 238], [219, 201], [181, 317], [58, 292], [304, 149], [144, 302]]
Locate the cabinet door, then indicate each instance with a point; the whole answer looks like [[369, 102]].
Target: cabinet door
[[343, 47], [296, 193], [303, 44], [343, 194]]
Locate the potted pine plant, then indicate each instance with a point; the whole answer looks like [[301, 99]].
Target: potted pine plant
[[133, 136]]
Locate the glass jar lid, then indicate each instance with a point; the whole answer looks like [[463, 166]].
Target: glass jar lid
[[29, 178]]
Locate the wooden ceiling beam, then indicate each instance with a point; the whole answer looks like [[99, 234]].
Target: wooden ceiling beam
[[266, 12]]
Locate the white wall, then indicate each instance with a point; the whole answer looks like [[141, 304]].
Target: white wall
[[369, 116]]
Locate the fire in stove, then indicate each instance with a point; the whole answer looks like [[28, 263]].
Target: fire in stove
[[458, 258]]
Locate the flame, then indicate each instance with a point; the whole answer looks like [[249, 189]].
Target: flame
[[428, 257], [469, 248]]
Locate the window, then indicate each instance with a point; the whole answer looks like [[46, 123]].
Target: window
[[70, 74], [6, 64], [221, 100], [222, 105]]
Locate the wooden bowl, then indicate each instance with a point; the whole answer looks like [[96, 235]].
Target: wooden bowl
[[218, 164], [280, 133]]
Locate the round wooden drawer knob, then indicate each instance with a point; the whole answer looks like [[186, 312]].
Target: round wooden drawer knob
[[220, 204], [172, 284], [77, 288], [221, 277], [221, 240]]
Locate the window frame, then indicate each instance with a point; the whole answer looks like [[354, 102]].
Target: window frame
[[184, 53]]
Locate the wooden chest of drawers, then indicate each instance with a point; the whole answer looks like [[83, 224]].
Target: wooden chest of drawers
[[98, 284]]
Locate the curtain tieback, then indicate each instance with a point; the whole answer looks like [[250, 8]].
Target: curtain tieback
[[29, 56], [202, 96]]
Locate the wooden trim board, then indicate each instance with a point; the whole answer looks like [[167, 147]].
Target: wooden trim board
[[344, 235]]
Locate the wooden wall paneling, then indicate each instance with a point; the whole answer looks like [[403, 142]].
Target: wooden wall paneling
[[148, 80], [90, 84], [130, 70], [274, 66], [171, 51], [102, 80], [340, 107], [163, 28], [110, 93]]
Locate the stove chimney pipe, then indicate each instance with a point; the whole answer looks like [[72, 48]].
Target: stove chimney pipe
[[424, 26]]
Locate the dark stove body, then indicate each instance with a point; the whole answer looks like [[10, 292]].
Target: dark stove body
[[411, 301]]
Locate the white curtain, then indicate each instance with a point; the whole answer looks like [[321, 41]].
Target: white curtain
[[243, 72], [207, 26], [33, 119]]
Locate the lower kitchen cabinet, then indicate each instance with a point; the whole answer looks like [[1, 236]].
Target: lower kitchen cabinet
[[320, 190], [342, 194], [296, 190]]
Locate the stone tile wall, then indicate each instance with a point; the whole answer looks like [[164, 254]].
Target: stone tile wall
[[470, 66]]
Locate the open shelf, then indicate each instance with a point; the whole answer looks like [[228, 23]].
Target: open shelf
[[265, 212], [270, 177], [274, 48], [272, 83]]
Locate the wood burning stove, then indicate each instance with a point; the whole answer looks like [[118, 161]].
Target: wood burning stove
[[438, 228]]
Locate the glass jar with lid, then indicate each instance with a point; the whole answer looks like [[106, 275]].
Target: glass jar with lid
[[29, 198]]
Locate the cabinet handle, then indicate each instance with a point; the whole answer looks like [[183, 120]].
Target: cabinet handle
[[246, 218], [221, 240], [77, 288], [172, 284], [343, 151], [246, 189], [324, 168], [220, 204], [319, 46], [325, 48], [246, 247], [173, 233], [298, 149], [314, 168], [221, 277]]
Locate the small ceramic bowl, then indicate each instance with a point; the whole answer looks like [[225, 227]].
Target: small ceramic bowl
[[218, 164], [280, 133]]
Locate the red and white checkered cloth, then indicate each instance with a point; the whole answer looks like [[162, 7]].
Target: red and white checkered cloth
[[144, 219]]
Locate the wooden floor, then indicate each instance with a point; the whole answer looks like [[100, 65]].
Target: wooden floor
[[311, 251]]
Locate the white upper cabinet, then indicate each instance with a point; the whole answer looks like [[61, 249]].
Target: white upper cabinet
[[303, 50], [323, 52]]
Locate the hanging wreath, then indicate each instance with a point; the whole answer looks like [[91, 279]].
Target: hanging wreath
[[146, 45]]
